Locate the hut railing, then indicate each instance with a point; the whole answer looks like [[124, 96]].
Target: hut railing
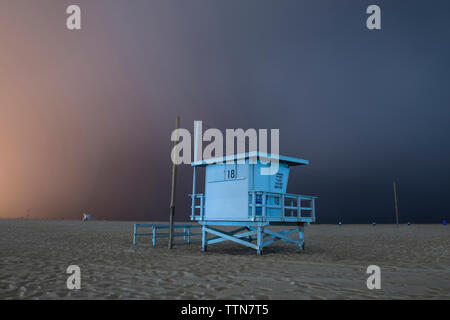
[[281, 206], [198, 206], [268, 206], [184, 231]]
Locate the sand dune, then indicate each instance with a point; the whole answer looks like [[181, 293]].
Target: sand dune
[[34, 255]]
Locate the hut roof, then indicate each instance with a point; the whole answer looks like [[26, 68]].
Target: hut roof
[[290, 161]]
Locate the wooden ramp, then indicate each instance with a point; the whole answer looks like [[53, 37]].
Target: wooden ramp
[[184, 230]]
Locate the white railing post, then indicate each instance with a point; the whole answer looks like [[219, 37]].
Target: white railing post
[[202, 206], [264, 212], [253, 205], [313, 214]]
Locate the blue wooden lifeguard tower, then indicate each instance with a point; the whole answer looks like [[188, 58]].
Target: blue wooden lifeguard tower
[[237, 194]]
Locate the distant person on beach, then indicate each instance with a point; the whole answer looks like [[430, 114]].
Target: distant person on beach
[[86, 217]]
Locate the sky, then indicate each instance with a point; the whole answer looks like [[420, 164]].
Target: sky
[[86, 116]]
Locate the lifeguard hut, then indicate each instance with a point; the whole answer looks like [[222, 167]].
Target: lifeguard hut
[[237, 194]]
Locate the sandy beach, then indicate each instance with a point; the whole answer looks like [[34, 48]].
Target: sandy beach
[[34, 255]]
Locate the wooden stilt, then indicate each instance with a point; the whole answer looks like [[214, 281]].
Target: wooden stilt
[[172, 194], [395, 203]]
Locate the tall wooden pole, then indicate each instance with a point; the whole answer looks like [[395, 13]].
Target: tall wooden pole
[[395, 203], [172, 194]]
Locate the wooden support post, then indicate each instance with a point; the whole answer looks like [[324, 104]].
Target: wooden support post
[[189, 235], [395, 203], [172, 194], [301, 237], [259, 240], [204, 239]]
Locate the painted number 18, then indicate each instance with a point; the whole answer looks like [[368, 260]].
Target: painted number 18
[[231, 174]]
